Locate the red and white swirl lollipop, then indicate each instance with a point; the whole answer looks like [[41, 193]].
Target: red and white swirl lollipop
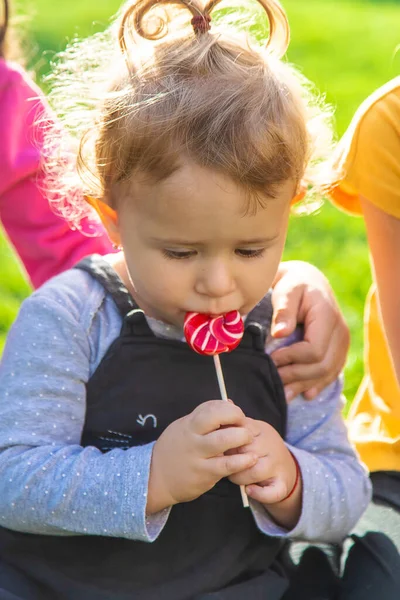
[[212, 336]]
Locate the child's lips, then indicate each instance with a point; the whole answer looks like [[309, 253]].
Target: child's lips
[[214, 315]]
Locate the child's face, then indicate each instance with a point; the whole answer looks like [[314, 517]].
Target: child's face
[[189, 244]]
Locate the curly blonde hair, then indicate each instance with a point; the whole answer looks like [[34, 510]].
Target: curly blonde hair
[[155, 87]]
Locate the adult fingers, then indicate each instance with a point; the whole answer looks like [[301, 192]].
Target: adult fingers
[[308, 388], [310, 379], [324, 328], [320, 337], [330, 341], [286, 301], [305, 375], [298, 288], [300, 353]]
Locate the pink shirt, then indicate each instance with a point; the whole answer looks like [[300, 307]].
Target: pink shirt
[[44, 241]]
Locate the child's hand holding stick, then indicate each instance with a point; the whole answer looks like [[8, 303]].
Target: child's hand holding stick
[[212, 336], [193, 453]]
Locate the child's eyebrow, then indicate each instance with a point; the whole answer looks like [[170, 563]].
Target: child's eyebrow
[[182, 242], [264, 240]]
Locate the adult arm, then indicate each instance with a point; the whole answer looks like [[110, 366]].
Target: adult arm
[[44, 241], [368, 158], [383, 232]]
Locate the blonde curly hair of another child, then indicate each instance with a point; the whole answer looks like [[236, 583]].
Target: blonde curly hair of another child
[[154, 88]]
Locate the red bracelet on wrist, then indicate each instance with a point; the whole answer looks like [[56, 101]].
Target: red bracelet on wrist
[[296, 481]]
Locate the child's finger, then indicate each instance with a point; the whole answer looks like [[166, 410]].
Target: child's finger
[[223, 440], [258, 445], [263, 442], [225, 466], [269, 494], [213, 414], [260, 471], [254, 426]]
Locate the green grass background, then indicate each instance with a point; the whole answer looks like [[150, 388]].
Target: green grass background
[[347, 48]]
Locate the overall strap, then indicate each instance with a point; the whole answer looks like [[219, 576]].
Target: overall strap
[[102, 271], [258, 322], [134, 320]]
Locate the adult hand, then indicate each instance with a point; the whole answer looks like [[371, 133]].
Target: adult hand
[[189, 457], [302, 295]]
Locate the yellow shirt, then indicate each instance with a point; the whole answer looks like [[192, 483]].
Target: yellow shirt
[[369, 159]]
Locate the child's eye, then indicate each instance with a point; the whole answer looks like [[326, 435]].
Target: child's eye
[[178, 254], [249, 253]]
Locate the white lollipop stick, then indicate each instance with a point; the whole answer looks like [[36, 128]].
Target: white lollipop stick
[[224, 396]]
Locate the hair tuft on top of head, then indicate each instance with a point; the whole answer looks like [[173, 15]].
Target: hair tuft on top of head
[[150, 20], [211, 97], [201, 23]]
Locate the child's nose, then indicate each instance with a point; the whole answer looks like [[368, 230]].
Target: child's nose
[[216, 280]]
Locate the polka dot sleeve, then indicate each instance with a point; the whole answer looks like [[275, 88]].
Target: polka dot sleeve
[[336, 487], [50, 484]]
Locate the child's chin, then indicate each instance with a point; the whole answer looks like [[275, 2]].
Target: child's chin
[[176, 319]]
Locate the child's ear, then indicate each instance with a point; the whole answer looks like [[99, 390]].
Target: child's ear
[[108, 217], [299, 196]]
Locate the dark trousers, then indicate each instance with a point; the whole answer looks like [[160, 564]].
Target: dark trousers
[[367, 567]]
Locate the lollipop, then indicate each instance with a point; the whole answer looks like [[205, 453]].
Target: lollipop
[[211, 336]]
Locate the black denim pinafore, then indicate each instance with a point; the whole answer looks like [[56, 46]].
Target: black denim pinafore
[[210, 547]]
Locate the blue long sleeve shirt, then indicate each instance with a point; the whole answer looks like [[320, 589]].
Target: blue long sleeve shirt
[[51, 485]]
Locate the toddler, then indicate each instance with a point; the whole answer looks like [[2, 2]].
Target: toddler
[[119, 466]]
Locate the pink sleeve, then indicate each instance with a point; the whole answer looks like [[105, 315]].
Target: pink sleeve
[[44, 241]]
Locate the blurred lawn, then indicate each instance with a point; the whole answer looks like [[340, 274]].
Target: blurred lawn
[[347, 48]]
